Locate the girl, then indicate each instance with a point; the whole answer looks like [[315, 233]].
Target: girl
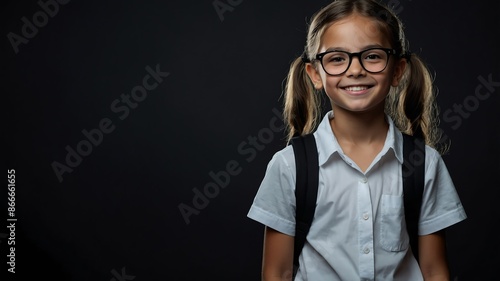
[[357, 54]]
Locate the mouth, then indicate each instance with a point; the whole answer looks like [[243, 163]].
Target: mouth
[[357, 89]]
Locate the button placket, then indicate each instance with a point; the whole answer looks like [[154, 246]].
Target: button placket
[[365, 230]]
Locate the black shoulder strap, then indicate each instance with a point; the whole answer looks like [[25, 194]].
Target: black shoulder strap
[[413, 185], [306, 190]]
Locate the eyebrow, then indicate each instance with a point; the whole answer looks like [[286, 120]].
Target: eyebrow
[[346, 50]]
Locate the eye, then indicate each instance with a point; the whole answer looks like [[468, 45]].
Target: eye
[[335, 58], [373, 56]]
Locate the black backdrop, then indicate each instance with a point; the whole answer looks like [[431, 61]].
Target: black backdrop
[[106, 153]]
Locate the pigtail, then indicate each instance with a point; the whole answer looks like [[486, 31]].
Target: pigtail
[[413, 106], [301, 102], [416, 98]]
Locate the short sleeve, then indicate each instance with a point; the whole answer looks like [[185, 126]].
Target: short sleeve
[[274, 203], [441, 205]]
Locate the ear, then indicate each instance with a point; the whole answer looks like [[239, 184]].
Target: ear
[[314, 75], [399, 70]]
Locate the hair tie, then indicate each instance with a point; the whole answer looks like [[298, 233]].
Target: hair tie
[[407, 56], [304, 57]]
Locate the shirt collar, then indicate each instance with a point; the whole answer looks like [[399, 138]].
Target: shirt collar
[[328, 144]]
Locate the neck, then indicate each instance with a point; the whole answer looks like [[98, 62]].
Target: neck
[[359, 127]]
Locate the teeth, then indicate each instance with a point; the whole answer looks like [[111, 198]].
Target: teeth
[[356, 88]]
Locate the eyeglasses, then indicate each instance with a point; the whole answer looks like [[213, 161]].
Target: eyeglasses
[[373, 60]]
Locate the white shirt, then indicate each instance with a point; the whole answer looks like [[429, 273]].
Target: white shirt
[[359, 230]]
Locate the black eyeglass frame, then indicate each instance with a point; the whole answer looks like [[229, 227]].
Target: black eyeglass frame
[[389, 52]]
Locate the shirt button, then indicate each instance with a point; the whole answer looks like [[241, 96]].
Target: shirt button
[[363, 180], [366, 250], [365, 216]]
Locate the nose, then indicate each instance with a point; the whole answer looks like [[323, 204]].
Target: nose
[[355, 69]]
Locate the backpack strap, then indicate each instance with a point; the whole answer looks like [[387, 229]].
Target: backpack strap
[[306, 190], [413, 169]]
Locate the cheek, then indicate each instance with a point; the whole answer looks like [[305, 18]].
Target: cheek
[[331, 87], [392, 76], [329, 80], [323, 75], [330, 84]]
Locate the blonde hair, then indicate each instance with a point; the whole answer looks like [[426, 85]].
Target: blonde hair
[[411, 105]]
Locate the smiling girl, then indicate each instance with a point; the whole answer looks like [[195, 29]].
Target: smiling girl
[[356, 53]]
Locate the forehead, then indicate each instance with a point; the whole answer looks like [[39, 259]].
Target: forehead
[[354, 33]]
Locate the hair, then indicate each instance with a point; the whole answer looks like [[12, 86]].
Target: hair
[[411, 104]]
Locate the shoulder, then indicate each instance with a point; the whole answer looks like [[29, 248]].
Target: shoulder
[[284, 158], [436, 170], [432, 156]]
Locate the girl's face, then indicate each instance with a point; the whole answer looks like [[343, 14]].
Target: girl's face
[[356, 90]]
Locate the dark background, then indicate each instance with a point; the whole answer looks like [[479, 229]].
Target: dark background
[[116, 214]]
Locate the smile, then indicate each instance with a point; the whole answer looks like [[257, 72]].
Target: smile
[[356, 88]]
